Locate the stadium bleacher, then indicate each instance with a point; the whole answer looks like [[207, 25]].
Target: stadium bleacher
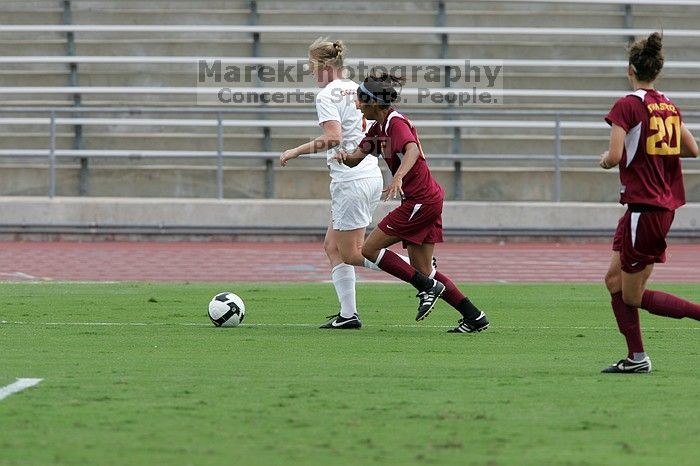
[[562, 60]]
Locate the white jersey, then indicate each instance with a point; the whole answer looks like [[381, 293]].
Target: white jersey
[[336, 102]]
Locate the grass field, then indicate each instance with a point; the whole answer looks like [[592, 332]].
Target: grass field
[[157, 384]]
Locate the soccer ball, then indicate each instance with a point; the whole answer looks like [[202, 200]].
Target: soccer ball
[[226, 310]]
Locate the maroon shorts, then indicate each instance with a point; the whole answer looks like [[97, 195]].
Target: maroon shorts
[[414, 223], [640, 238]]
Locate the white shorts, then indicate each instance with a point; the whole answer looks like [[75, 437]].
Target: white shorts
[[353, 202]]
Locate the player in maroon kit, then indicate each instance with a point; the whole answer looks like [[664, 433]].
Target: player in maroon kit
[[648, 138], [417, 222]]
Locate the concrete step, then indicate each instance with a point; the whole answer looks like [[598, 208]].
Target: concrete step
[[186, 76], [471, 144], [479, 184], [33, 47], [125, 218], [198, 15], [511, 143], [162, 47]]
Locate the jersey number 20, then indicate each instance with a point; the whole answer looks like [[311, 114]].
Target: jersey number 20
[[667, 139]]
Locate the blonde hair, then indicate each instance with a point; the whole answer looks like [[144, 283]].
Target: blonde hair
[[324, 52]]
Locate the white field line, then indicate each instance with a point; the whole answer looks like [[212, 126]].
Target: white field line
[[19, 275], [313, 325], [44, 280], [18, 386]]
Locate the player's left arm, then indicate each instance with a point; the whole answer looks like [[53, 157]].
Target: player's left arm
[[689, 146], [612, 157], [410, 157]]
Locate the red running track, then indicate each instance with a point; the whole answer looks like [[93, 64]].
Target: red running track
[[306, 262]]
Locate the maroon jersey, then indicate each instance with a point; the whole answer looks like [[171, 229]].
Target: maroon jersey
[[650, 169], [389, 141]]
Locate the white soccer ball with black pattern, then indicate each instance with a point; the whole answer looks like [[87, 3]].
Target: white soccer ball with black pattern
[[226, 310]]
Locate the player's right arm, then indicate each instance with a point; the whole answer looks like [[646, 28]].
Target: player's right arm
[[612, 157], [330, 121], [332, 137]]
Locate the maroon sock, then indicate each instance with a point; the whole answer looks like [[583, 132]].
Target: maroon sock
[[394, 265], [452, 295], [456, 299], [628, 322], [667, 305]]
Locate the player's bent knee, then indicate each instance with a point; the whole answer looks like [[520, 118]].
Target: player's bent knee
[[370, 253], [613, 282], [330, 247], [353, 257], [632, 299]]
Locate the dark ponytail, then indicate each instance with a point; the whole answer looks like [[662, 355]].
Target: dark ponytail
[[382, 88], [646, 57]]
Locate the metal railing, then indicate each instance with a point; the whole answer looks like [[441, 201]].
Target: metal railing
[[336, 30], [555, 121], [407, 92], [237, 60]]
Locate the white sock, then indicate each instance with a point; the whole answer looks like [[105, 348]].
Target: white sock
[[343, 276]]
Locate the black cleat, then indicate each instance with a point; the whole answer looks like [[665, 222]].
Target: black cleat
[[340, 322], [428, 298], [626, 366], [479, 324]]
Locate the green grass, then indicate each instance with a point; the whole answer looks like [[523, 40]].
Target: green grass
[[526, 392]]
